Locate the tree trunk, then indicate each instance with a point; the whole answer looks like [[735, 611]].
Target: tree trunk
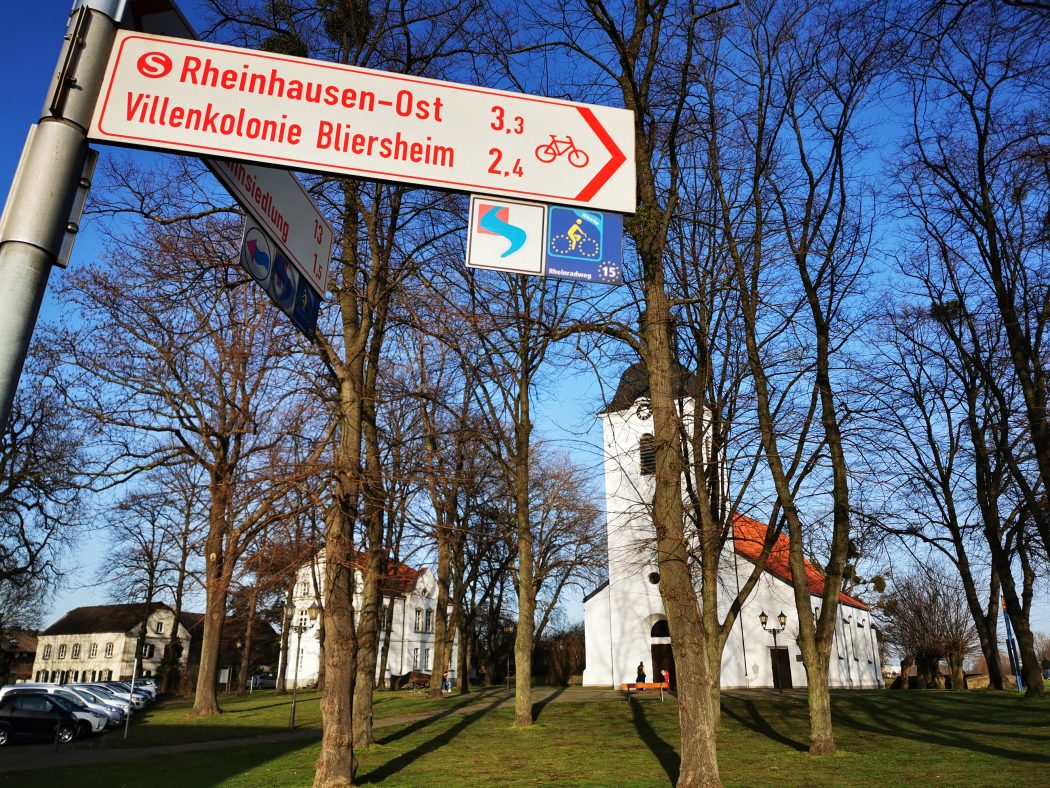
[[336, 765], [699, 765], [367, 652], [821, 730], [205, 701], [246, 651], [523, 641], [441, 612]]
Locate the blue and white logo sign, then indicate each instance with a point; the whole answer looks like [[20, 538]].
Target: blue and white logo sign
[[269, 266], [584, 245]]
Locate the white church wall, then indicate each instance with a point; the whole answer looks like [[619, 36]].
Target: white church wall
[[619, 618]]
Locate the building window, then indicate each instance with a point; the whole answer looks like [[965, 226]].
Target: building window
[[93, 651], [647, 454], [419, 619], [159, 627], [382, 618], [47, 651], [147, 651], [76, 651], [415, 659], [426, 659], [428, 626], [299, 661], [660, 629], [304, 619], [304, 588], [109, 649], [62, 651]]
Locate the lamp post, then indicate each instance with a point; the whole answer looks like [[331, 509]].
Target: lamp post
[[298, 629], [508, 630], [782, 620]]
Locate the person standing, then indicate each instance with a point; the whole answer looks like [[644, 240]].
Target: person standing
[[640, 678]]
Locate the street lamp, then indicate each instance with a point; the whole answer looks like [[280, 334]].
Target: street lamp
[[298, 629], [782, 620], [508, 630]]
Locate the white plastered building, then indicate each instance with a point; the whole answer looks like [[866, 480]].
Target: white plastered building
[[408, 617], [624, 617]]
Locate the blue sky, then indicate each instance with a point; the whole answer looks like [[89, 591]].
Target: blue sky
[[32, 37]]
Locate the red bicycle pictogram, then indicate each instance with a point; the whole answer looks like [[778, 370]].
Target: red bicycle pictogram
[[550, 151]]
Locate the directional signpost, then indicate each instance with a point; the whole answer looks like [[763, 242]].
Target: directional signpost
[[291, 112]]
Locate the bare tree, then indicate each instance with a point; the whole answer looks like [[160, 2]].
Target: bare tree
[[176, 357], [42, 465], [927, 619]]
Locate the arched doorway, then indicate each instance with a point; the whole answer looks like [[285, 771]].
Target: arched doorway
[[660, 650]]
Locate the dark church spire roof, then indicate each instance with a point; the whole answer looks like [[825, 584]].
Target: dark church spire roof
[[634, 383]]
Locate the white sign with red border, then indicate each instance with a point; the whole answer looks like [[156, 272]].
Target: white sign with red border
[[278, 202], [291, 112]]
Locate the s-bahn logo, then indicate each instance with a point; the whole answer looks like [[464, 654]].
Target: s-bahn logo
[[154, 65]]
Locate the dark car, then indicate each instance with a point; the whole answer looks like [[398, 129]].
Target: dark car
[[262, 681], [35, 716]]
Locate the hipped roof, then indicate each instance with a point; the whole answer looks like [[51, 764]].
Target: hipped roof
[[102, 618], [749, 535]]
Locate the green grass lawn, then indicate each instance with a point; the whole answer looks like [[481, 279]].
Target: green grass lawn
[[885, 738], [264, 711]]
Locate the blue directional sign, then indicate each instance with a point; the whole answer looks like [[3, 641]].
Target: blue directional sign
[[263, 259], [584, 245]]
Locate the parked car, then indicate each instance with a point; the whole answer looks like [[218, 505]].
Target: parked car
[[125, 686], [35, 715], [112, 714], [103, 695], [262, 681], [88, 722], [135, 700]]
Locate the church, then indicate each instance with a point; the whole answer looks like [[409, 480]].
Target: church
[[624, 617]]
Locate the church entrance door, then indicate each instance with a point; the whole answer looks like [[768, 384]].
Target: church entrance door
[[663, 657], [781, 668]]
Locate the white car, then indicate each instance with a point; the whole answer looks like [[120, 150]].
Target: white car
[[87, 721], [120, 694], [103, 697], [113, 714]]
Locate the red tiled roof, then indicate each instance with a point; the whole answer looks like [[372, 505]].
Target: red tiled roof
[[749, 535]]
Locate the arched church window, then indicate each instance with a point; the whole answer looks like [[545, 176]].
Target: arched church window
[[660, 629], [647, 454]]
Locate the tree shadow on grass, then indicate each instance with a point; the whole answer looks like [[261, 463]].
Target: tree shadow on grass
[[540, 705], [432, 717], [665, 753], [392, 767], [922, 721], [756, 721]]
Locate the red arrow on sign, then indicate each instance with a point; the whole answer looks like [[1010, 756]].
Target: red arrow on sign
[[606, 172]]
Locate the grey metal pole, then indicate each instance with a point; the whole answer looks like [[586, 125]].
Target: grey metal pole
[[46, 184], [295, 681]]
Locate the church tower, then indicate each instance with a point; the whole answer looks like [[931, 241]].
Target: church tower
[[624, 620]]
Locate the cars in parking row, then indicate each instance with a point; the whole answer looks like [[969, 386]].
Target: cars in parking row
[[64, 712]]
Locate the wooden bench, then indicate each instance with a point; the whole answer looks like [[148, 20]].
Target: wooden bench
[[660, 685]]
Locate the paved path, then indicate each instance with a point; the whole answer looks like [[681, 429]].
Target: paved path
[[24, 758]]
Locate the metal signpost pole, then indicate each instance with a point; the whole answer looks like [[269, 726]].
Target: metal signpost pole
[[47, 182]]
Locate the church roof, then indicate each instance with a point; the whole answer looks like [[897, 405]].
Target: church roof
[[634, 383], [749, 535]]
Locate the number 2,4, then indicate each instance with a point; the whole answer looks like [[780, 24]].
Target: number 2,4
[[497, 157]]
